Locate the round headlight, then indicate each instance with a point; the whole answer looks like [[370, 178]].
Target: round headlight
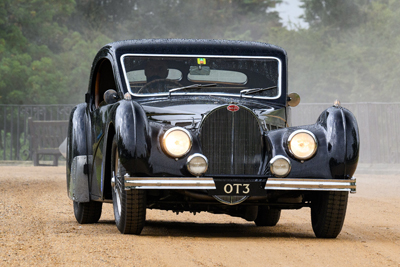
[[197, 164], [177, 142], [302, 144], [280, 166]]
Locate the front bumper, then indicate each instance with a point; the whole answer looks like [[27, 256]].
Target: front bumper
[[208, 183]]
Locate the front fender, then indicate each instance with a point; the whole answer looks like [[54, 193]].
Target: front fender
[[343, 140], [133, 137], [338, 142], [77, 179]]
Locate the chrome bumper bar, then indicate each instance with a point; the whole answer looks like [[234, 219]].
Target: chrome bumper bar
[[272, 183]]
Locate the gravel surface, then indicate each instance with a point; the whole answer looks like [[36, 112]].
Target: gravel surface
[[37, 227]]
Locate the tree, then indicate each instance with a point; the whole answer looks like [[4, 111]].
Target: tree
[[335, 14], [35, 56], [359, 64], [47, 46], [349, 51], [134, 19]]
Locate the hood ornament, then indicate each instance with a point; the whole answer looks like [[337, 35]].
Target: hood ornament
[[336, 103]]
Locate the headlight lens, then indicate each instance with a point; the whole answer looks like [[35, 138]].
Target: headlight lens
[[302, 144], [197, 164], [177, 142], [280, 166]]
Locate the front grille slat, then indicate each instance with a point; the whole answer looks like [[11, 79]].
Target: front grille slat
[[231, 141]]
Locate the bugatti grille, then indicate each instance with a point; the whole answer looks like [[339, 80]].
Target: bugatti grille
[[231, 141]]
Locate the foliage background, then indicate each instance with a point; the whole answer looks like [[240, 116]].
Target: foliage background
[[350, 51]]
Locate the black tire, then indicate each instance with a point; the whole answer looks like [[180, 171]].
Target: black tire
[[267, 216], [88, 212], [328, 210], [129, 205]]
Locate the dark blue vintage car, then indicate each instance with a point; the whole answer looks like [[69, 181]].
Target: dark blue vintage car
[[204, 125]]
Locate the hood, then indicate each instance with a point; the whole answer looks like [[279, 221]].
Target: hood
[[188, 112]]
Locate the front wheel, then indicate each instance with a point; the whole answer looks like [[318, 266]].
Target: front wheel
[[267, 216], [328, 210], [129, 205], [89, 212]]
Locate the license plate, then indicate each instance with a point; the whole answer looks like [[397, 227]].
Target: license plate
[[239, 188]]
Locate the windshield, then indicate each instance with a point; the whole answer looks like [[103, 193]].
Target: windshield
[[160, 74]]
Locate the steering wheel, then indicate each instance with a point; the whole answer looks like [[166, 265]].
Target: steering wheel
[[158, 86]]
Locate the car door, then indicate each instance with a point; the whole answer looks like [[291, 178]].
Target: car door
[[99, 113]]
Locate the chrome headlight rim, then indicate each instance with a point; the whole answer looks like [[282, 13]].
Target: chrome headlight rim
[[274, 159], [290, 138], [165, 148], [190, 158]]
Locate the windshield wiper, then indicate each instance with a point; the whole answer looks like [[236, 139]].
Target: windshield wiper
[[193, 86], [256, 90]]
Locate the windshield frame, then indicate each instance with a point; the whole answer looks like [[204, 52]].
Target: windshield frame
[[279, 84]]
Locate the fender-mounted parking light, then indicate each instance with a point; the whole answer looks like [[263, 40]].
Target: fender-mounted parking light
[[197, 164], [280, 166]]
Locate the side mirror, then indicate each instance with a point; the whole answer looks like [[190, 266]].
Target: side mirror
[[293, 99], [110, 96], [87, 98]]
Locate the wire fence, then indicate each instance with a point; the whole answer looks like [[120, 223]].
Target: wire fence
[[379, 125]]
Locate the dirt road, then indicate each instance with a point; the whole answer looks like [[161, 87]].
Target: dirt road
[[37, 227]]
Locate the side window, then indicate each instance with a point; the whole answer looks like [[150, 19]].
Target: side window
[[104, 80]]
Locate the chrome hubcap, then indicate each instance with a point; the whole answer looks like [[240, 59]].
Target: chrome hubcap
[[116, 184]]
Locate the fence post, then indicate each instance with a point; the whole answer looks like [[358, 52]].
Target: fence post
[[4, 132]]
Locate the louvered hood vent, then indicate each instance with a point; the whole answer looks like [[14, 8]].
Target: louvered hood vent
[[231, 139]]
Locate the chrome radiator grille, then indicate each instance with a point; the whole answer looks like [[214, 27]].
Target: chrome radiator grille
[[231, 141]]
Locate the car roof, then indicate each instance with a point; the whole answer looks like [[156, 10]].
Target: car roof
[[196, 47]]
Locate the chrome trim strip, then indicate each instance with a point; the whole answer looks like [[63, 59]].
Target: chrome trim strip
[[272, 183], [311, 184], [206, 56], [169, 183]]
